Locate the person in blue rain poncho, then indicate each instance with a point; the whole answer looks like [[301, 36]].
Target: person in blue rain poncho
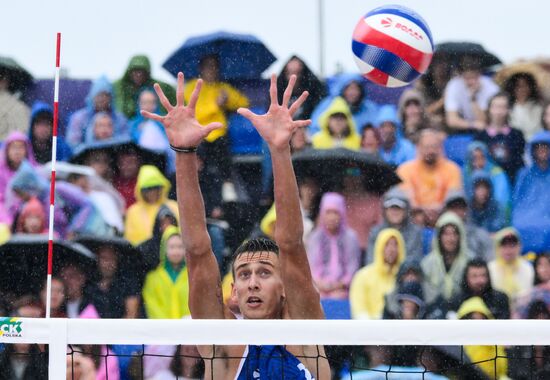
[[531, 198], [100, 99], [351, 87]]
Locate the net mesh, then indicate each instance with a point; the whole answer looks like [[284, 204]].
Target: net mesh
[[346, 362]]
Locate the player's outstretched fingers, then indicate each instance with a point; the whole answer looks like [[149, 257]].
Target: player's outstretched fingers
[[180, 101], [245, 112], [301, 123], [212, 127], [273, 90], [288, 90], [152, 116], [195, 95], [163, 99], [298, 103]]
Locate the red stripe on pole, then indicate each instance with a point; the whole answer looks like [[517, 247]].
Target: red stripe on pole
[[52, 181], [55, 117], [52, 189], [50, 256], [58, 49]]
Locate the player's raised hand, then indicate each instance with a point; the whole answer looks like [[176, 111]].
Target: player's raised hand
[[182, 128], [276, 126]]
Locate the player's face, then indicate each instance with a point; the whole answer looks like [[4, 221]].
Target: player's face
[[258, 288]]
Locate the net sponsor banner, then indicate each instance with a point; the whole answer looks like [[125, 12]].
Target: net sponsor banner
[[24, 330], [278, 332]]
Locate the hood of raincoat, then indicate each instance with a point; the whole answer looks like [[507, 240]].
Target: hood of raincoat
[[267, 223], [444, 220], [15, 136], [323, 139], [408, 95], [38, 108], [167, 234], [150, 176], [101, 84], [31, 208], [344, 80], [333, 201], [499, 236], [387, 113], [539, 138], [137, 62], [28, 180], [381, 240], [473, 305]]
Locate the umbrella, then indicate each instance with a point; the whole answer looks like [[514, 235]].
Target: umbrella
[[129, 259], [24, 261], [454, 53], [328, 166], [119, 145], [19, 78], [241, 56]]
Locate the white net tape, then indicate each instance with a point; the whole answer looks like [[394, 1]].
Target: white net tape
[[59, 333]]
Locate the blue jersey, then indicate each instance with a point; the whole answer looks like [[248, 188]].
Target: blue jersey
[[271, 363]]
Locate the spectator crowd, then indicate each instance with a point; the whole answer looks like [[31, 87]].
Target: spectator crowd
[[465, 235]]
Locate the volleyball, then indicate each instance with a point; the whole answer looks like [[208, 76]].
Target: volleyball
[[392, 45]]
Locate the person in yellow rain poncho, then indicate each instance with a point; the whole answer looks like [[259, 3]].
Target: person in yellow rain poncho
[[166, 289], [371, 283], [217, 99], [510, 273], [151, 192], [484, 356], [338, 130]]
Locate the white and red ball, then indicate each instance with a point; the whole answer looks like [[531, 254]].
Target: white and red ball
[[392, 45]]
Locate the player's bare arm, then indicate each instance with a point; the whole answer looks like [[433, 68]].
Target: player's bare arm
[[185, 133], [277, 127]]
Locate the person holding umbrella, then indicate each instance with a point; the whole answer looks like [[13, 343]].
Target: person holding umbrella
[[217, 100], [467, 97]]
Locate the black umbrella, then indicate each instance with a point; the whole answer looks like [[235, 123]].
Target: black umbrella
[[24, 261], [455, 52], [328, 167], [118, 145], [19, 78], [129, 259]]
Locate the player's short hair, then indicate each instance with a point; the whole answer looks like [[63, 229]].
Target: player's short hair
[[260, 244]]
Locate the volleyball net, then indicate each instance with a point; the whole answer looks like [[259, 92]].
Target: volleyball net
[[388, 349]]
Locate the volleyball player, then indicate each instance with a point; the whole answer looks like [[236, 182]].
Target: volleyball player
[[271, 281]]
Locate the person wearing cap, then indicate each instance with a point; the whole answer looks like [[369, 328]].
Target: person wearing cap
[[444, 265], [430, 176], [510, 273], [394, 149], [478, 240], [477, 283], [396, 213]]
